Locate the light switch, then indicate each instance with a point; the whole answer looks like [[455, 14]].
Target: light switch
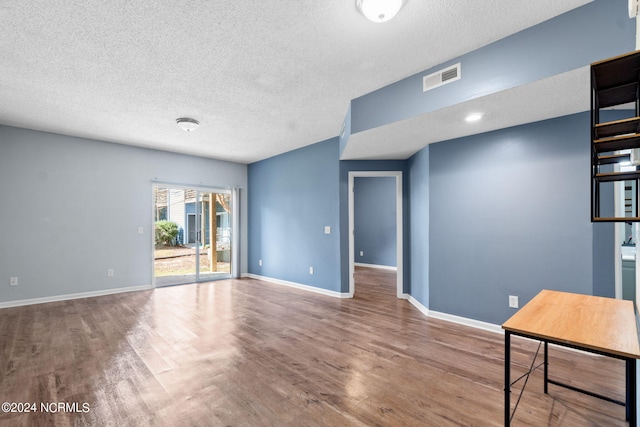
[[327, 229]]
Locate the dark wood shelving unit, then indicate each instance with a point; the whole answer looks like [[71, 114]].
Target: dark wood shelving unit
[[618, 127], [614, 82], [616, 143], [614, 158], [617, 176]]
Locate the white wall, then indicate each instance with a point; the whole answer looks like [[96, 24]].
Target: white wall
[[70, 209]]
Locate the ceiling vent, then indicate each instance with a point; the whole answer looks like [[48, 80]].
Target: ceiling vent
[[442, 77]]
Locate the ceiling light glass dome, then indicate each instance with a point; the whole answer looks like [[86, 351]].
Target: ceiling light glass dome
[[379, 10]]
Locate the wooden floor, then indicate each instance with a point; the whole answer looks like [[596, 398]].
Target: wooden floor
[[249, 353]]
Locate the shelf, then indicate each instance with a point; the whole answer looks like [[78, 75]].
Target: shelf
[[610, 97], [616, 72], [616, 143], [617, 176], [617, 219], [614, 158], [618, 127], [614, 82]]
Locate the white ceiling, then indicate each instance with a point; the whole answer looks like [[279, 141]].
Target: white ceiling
[[263, 78]]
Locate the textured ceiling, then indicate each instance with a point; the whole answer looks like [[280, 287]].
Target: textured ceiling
[[262, 77]]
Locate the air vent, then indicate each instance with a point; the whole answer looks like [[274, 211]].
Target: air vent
[[442, 77]]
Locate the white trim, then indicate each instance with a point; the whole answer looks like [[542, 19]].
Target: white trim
[[491, 327], [399, 226], [417, 304], [297, 286], [196, 222], [464, 321], [66, 297], [198, 187], [619, 234], [485, 326], [235, 233], [477, 324], [152, 234], [381, 267]]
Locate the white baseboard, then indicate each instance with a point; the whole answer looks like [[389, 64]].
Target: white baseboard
[[90, 294], [465, 321], [478, 324], [456, 319], [485, 326], [382, 267], [297, 286], [424, 310], [417, 304]]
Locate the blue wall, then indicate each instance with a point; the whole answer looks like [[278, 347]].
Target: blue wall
[[292, 197], [509, 215], [487, 216], [375, 220], [77, 204], [418, 166]]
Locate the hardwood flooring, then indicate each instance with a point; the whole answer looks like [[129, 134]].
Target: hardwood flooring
[[250, 353]]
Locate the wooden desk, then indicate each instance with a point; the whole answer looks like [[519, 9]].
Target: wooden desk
[[599, 325]]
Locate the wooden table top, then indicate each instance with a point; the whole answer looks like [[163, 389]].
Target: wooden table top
[[597, 323]]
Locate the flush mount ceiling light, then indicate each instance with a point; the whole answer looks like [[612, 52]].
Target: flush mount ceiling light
[[379, 10], [187, 124], [473, 117]]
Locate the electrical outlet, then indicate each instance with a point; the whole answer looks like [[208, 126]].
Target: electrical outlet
[[140, 230], [513, 301], [260, 262], [327, 229], [110, 272], [310, 270], [361, 253], [13, 281]]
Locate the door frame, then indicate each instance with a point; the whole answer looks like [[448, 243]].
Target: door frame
[[399, 227], [187, 227]]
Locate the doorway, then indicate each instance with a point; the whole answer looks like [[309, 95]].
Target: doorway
[[193, 235], [625, 237], [397, 199]]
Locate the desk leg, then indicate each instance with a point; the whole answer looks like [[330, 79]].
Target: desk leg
[[546, 367], [631, 392], [507, 378]]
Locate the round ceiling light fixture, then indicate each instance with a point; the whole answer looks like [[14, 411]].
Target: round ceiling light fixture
[[379, 10], [187, 124]]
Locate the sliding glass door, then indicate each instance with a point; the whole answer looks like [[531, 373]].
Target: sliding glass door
[[193, 235]]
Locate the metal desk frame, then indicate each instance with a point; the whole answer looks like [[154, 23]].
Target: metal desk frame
[[597, 325], [630, 376]]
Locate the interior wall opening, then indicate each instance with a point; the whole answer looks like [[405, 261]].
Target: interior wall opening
[[375, 229]]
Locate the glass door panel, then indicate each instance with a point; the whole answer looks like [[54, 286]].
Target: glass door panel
[[215, 259], [175, 240], [193, 235]]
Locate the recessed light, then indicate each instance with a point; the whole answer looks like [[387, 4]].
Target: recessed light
[[473, 117], [187, 124]]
